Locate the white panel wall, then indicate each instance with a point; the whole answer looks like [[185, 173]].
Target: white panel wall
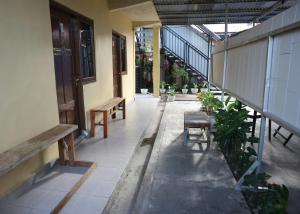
[[284, 98], [246, 70], [217, 69]]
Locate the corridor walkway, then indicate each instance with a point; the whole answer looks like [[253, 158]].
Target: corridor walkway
[[186, 179], [111, 156]]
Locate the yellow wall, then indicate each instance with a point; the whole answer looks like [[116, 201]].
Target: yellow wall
[[27, 79], [122, 25]]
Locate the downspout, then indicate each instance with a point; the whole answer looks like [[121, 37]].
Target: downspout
[[225, 52]]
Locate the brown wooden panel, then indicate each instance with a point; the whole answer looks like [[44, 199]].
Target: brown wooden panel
[[63, 50], [116, 55]]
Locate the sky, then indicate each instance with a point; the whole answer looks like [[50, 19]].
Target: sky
[[231, 27]]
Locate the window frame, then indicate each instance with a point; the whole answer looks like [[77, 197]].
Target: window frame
[[90, 22], [122, 37], [123, 70]]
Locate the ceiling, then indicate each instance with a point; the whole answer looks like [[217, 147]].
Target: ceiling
[[182, 12]]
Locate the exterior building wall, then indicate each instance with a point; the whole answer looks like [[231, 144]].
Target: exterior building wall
[[27, 78]]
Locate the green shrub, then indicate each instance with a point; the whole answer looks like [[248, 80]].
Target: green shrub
[[264, 197], [209, 101]]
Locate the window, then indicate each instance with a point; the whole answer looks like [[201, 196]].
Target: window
[[123, 55], [87, 52]]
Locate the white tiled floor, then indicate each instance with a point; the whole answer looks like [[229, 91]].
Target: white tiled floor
[[111, 156]]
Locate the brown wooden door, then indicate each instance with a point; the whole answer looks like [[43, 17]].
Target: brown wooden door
[[116, 55], [66, 80]]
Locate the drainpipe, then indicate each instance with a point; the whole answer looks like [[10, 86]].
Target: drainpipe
[[225, 52]]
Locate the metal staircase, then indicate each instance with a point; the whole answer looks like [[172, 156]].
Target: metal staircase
[[176, 47]]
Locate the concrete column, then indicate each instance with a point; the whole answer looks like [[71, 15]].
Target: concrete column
[[156, 59]]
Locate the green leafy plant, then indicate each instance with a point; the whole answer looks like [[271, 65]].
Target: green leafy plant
[[179, 72], [209, 101], [171, 93], [195, 85], [163, 84], [185, 86], [232, 134], [172, 87], [264, 197]]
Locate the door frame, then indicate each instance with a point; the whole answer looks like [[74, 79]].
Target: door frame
[[76, 75], [119, 35]]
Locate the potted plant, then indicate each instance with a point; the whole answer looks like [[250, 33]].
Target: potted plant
[[210, 103], [162, 89], [204, 86], [195, 89], [172, 88], [185, 89], [171, 96]]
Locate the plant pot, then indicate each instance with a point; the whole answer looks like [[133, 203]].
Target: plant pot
[[184, 90], [144, 91], [194, 90], [171, 98], [164, 97], [204, 89], [162, 90]]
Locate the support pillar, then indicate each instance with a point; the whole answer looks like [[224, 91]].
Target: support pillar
[[156, 59]]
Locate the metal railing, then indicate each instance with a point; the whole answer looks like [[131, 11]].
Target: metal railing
[[184, 51]]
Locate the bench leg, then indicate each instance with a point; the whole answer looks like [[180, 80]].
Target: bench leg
[[254, 123], [71, 149], [113, 116], [61, 152], [208, 134], [105, 124], [185, 136], [124, 108], [92, 118], [270, 129]]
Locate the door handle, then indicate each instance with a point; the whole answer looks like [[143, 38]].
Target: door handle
[[77, 80]]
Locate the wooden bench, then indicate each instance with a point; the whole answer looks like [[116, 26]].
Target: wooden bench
[[196, 120], [107, 109], [62, 133]]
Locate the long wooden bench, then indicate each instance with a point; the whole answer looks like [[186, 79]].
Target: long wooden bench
[[107, 109], [63, 134]]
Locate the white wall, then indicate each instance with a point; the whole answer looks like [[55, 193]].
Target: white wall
[[284, 98], [246, 71], [217, 68], [246, 68]]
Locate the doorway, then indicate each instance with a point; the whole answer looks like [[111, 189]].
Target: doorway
[[117, 72], [68, 79]]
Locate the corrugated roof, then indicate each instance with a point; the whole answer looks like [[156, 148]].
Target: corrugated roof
[[214, 11]]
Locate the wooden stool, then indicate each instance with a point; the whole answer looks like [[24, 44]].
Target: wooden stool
[[196, 120]]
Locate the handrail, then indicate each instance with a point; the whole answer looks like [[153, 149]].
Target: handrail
[[185, 41], [185, 51]]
